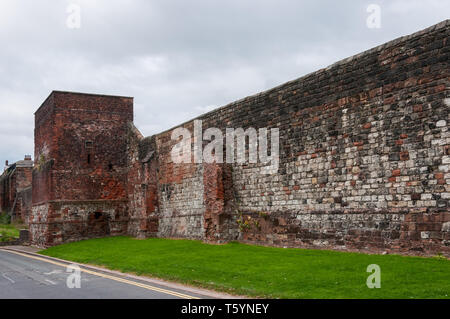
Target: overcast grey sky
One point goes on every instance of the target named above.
(178, 58)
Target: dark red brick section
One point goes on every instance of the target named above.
(80, 174)
(15, 189)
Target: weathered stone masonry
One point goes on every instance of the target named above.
(364, 162)
(15, 189)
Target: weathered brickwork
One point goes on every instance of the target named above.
(80, 175)
(142, 186)
(15, 189)
(364, 162)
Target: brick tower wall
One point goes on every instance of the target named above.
(80, 176)
(15, 190)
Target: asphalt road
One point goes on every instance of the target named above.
(25, 277)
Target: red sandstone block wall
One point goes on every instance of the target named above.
(364, 160)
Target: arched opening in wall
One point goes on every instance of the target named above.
(98, 224)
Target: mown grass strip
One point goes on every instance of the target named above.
(265, 271)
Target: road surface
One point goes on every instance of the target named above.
(33, 277)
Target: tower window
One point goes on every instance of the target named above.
(89, 159)
(88, 144)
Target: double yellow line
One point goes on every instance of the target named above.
(137, 284)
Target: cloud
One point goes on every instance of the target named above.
(178, 58)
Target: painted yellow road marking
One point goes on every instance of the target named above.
(137, 284)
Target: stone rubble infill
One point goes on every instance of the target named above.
(31, 250)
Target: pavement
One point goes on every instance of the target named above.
(27, 275)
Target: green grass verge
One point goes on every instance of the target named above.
(8, 230)
(265, 271)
